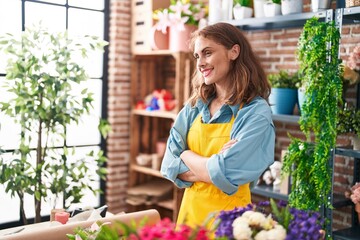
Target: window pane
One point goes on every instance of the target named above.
(55, 1)
(51, 17)
(83, 22)
(93, 4)
(9, 130)
(10, 22)
(87, 130)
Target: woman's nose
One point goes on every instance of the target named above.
(200, 62)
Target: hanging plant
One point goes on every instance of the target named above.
(307, 161)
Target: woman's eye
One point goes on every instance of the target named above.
(207, 53)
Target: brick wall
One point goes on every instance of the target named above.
(276, 49)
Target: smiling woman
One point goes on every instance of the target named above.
(57, 16)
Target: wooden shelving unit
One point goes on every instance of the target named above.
(152, 71)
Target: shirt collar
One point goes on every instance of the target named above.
(234, 108)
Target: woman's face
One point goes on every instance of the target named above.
(212, 61)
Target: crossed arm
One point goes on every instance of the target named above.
(197, 165)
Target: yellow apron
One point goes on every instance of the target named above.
(201, 198)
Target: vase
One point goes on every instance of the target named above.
(291, 6)
(283, 100)
(318, 5)
(272, 9)
(356, 143)
(179, 38)
(241, 12)
(159, 40)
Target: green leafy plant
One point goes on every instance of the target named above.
(349, 120)
(283, 79)
(307, 161)
(244, 3)
(276, 1)
(41, 74)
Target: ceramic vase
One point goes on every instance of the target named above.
(291, 6)
(179, 38)
(318, 5)
(272, 9)
(159, 40)
(241, 12)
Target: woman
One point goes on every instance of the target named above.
(224, 138)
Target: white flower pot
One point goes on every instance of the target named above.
(318, 5)
(259, 8)
(241, 12)
(272, 9)
(291, 6)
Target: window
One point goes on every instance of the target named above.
(79, 17)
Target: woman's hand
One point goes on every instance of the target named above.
(227, 145)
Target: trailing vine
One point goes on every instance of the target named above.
(307, 161)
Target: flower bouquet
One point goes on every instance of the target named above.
(265, 221)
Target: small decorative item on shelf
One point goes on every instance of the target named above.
(144, 159)
(318, 5)
(354, 194)
(158, 100)
(283, 97)
(352, 3)
(181, 18)
(272, 8)
(349, 123)
(291, 6)
(242, 9)
(220, 10)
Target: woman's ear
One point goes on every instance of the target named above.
(234, 51)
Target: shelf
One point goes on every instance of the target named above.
(286, 118)
(145, 170)
(156, 113)
(168, 204)
(351, 15)
(347, 152)
(268, 191)
(283, 21)
(352, 233)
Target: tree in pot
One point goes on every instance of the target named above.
(307, 161)
(42, 75)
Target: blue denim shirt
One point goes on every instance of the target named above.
(244, 162)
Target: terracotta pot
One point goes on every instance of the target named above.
(159, 40)
(179, 39)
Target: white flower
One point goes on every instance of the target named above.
(277, 233)
(269, 223)
(257, 219)
(241, 229)
(262, 235)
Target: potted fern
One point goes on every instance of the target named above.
(42, 74)
(242, 9)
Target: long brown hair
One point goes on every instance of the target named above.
(246, 73)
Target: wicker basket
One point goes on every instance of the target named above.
(352, 3)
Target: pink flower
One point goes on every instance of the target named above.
(354, 59)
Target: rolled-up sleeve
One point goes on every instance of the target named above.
(172, 165)
(248, 158)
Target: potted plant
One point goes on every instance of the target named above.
(291, 6)
(349, 123)
(283, 95)
(272, 8)
(307, 160)
(41, 74)
(242, 9)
